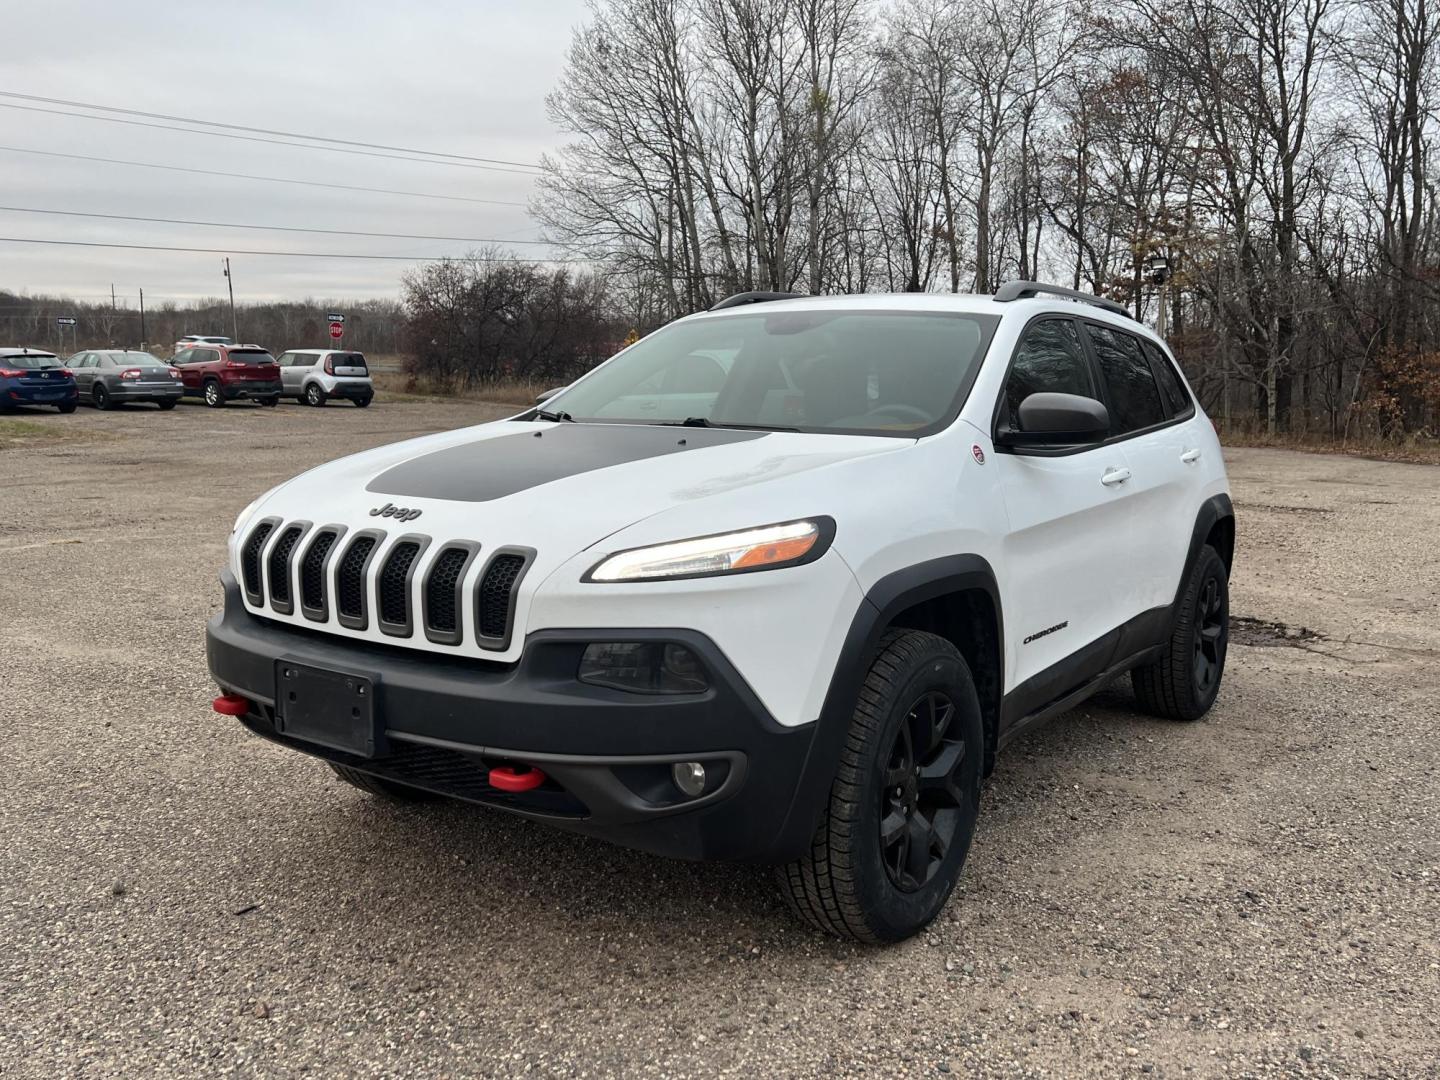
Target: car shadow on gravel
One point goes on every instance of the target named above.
(476, 878)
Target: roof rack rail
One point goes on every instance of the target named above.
(1021, 290)
(741, 299)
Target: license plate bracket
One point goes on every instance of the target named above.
(335, 709)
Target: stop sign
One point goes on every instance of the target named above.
(337, 330)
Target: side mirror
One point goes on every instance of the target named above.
(540, 399)
(1058, 420)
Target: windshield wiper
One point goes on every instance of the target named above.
(700, 421)
(556, 417)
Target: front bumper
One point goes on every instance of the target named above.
(444, 722)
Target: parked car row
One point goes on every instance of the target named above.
(213, 370)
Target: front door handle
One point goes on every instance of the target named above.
(1189, 457)
(1115, 476)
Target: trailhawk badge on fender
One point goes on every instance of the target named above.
(399, 513)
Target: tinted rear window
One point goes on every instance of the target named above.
(1134, 397)
(251, 356)
(30, 362)
(348, 359)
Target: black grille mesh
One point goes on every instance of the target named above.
(394, 595)
(250, 557)
(444, 616)
(493, 614)
(350, 581)
(312, 571)
(279, 565)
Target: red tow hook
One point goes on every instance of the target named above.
(230, 705)
(509, 778)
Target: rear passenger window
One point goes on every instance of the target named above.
(1134, 397)
(1172, 390)
(1049, 360)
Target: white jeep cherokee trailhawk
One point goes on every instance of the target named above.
(775, 583)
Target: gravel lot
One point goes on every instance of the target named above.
(1256, 894)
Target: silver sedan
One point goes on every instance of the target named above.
(110, 377)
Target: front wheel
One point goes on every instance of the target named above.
(905, 800)
(1183, 683)
(314, 396)
(213, 395)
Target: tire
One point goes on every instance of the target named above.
(214, 396)
(1183, 683)
(847, 884)
(363, 402)
(314, 396)
(101, 397)
(269, 402)
(167, 404)
(67, 408)
(385, 789)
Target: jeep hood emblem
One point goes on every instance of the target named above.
(399, 513)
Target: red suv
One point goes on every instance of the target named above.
(221, 373)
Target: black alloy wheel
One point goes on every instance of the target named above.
(921, 804)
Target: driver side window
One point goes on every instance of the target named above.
(1050, 360)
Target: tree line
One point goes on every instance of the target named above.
(377, 326)
(1274, 158)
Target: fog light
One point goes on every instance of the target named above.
(689, 777)
(643, 668)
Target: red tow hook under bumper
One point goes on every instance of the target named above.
(510, 778)
(230, 705)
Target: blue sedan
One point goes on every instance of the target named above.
(31, 377)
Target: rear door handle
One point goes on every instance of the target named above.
(1115, 476)
(1189, 457)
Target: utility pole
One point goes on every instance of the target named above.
(234, 324)
(142, 320)
(113, 311)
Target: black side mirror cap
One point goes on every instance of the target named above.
(1058, 420)
(540, 399)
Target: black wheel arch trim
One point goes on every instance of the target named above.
(884, 600)
(1212, 511)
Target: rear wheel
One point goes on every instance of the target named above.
(101, 396)
(386, 789)
(270, 402)
(214, 397)
(166, 403)
(363, 402)
(314, 396)
(1183, 683)
(905, 799)
(68, 407)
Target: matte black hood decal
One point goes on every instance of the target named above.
(493, 468)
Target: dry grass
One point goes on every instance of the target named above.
(397, 386)
(1412, 449)
(16, 434)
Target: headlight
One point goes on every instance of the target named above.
(768, 547)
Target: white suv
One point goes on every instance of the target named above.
(776, 583)
(314, 376)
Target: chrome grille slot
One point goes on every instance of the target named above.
(392, 585)
(495, 596)
(277, 566)
(350, 607)
(250, 561)
(441, 593)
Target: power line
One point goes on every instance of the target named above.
(286, 254)
(266, 228)
(251, 176)
(273, 142)
(261, 131)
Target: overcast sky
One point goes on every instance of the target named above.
(465, 79)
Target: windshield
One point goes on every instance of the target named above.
(853, 372)
(30, 362)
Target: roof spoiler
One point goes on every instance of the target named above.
(1023, 290)
(741, 299)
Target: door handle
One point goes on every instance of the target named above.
(1115, 476)
(1189, 457)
